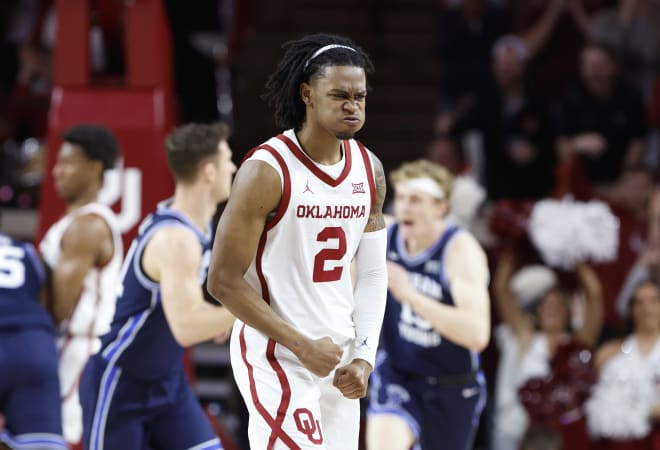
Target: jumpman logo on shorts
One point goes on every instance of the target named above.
(364, 343)
(307, 189)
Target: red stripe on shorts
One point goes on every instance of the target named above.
(275, 424)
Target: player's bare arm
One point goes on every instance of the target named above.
(173, 258)
(467, 323)
(256, 193)
(376, 219)
(86, 243)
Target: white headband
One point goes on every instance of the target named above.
(325, 49)
(426, 185)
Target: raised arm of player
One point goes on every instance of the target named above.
(86, 243)
(370, 296)
(467, 323)
(173, 258)
(256, 192)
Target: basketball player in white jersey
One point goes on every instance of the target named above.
(304, 205)
(83, 252)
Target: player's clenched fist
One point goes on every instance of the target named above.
(352, 379)
(321, 357)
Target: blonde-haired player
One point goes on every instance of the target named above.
(427, 390)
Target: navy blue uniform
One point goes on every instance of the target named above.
(134, 392)
(435, 385)
(29, 384)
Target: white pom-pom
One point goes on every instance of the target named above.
(566, 232)
(620, 403)
(466, 197)
(530, 282)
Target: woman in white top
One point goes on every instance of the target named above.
(624, 408)
(528, 341)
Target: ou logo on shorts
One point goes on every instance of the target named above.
(307, 425)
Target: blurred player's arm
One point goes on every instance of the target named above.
(467, 323)
(370, 294)
(173, 258)
(81, 249)
(256, 192)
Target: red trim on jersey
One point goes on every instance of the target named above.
(275, 424)
(260, 274)
(286, 390)
(370, 173)
(286, 183)
(249, 153)
(321, 175)
(286, 187)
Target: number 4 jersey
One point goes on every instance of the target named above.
(302, 264)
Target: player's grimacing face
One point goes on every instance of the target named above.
(338, 100)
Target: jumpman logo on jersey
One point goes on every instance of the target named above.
(307, 189)
(364, 343)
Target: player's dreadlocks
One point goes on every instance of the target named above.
(299, 64)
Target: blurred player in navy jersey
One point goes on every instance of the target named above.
(427, 390)
(29, 385)
(134, 391)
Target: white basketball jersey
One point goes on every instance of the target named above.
(96, 305)
(302, 265)
(79, 336)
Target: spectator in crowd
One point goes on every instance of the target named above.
(446, 151)
(554, 31)
(515, 126)
(632, 29)
(463, 38)
(624, 408)
(531, 342)
(647, 267)
(629, 200)
(602, 120)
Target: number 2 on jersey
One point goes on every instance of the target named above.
(12, 270)
(321, 275)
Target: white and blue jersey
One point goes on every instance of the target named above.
(140, 341)
(410, 341)
(21, 278)
(134, 392)
(29, 383)
(430, 382)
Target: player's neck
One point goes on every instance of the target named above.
(195, 204)
(90, 195)
(319, 145)
(418, 244)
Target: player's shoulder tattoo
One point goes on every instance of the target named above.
(376, 220)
